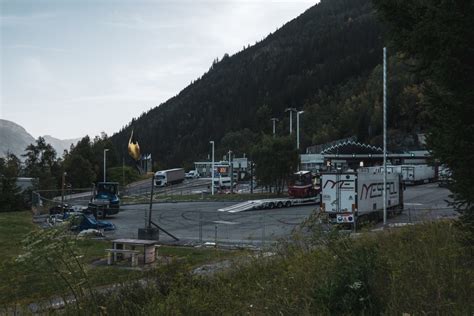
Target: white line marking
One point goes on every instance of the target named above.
(225, 222)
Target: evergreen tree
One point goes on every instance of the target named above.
(41, 163)
(10, 194)
(276, 160)
(439, 36)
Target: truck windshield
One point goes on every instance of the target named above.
(301, 179)
(159, 177)
(107, 188)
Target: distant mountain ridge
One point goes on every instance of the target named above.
(60, 145)
(14, 139)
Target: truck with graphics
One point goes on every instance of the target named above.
(352, 196)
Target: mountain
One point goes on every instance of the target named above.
(14, 139)
(60, 145)
(326, 61)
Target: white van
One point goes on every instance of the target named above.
(223, 182)
(193, 174)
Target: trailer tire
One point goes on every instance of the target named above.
(101, 214)
(287, 204)
(271, 205)
(280, 204)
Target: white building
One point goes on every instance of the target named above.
(221, 168)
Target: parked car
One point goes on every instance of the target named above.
(193, 174)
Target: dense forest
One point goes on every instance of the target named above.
(327, 61)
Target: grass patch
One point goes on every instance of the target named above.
(14, 226)
(52, 269)
(422, 269)
(196, 256)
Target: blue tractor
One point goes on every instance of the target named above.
(105, 200)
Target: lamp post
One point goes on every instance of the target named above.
(384, 136)
(231, 171)
(298, 129)
(212, 170)
(62, 189)
(274, 120)
(105, 154)
(291, 110)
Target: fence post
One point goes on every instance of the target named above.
(200, 226)
(215, 237)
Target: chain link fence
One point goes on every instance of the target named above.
(42, 201)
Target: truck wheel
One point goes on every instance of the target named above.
(279, 204)
(101, 214)
(287, 204)
(271, 205)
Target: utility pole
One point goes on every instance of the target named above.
(123, 171)
(384, 136)
(231, 168)
(105, 155)
(274, 120)
(298, 129)
(291, 110)
(212, 166)
(62, 190)
(251, 177)
(148, 225)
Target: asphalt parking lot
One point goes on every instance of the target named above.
(201, 221)
(194, 222)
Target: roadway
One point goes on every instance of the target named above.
(200, 221)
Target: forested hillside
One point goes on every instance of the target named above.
(326, 61)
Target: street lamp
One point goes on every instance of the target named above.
(231, 171)
(105, 154)
(291, 110)
(274, 120)
(212, 143)
(298, 129)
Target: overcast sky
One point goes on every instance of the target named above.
(71, 68)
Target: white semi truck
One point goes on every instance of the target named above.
(417, 174)
(168, 177)
(413, 174)
(348, 197)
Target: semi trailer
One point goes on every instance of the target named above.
(351, 196)
(413, 174)
(168, 177)
(303, 189)
(417, 174)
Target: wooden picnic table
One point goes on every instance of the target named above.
(148, 247)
